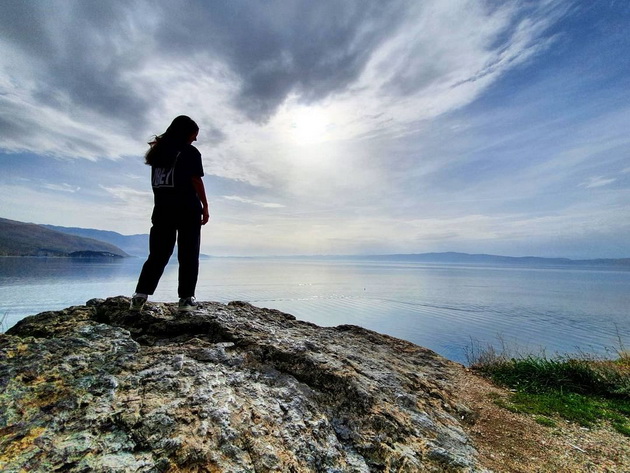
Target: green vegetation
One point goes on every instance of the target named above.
(542, 420)
(580, 389)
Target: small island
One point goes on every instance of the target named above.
(94, 254)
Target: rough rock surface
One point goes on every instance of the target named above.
(227, 388)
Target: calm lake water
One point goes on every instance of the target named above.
(440, 306)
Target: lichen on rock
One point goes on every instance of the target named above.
(227, 388)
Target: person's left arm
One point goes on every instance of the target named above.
(201, 193)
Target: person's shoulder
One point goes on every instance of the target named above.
(191, 150)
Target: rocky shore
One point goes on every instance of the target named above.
(227, 388)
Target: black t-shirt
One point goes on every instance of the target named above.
(171, 179)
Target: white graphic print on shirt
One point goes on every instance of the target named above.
(164, 177)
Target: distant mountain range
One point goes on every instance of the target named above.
(134, 245)
(462, 258)
(29, 239)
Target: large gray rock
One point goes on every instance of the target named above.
(228, 388)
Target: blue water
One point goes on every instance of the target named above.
(445, 307)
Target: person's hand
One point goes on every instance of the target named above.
(205, 216)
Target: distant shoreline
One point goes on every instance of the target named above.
(450, 258)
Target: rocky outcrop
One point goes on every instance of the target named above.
(227, 388)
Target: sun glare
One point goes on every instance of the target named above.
(309, 125)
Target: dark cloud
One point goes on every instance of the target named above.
(24, 24)
(83, 53)
(213, 134)
(80, 55)
(277, 48)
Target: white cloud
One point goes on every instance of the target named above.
(333, 234)
(128, 194)
(598, 181)
(429, 67)
(267, 205)
(32, 126)
(61, 187)
(424, 68)
(32, 204)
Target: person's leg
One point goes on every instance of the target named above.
(161, 244)
(188, 242)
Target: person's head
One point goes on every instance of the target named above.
(183, 129)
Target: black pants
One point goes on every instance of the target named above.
(186, 229)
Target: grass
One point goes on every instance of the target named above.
(542, 420)
(580, 389)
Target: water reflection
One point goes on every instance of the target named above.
(438, 306)
(22, 270)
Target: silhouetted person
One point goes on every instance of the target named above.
(180, 208)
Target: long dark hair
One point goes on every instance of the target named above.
(164, 147)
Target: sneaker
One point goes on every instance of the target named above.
(187, 304)
(137, 302)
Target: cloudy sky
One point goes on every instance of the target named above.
(329, 127)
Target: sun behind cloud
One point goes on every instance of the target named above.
(303, 125)
(309, 125)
